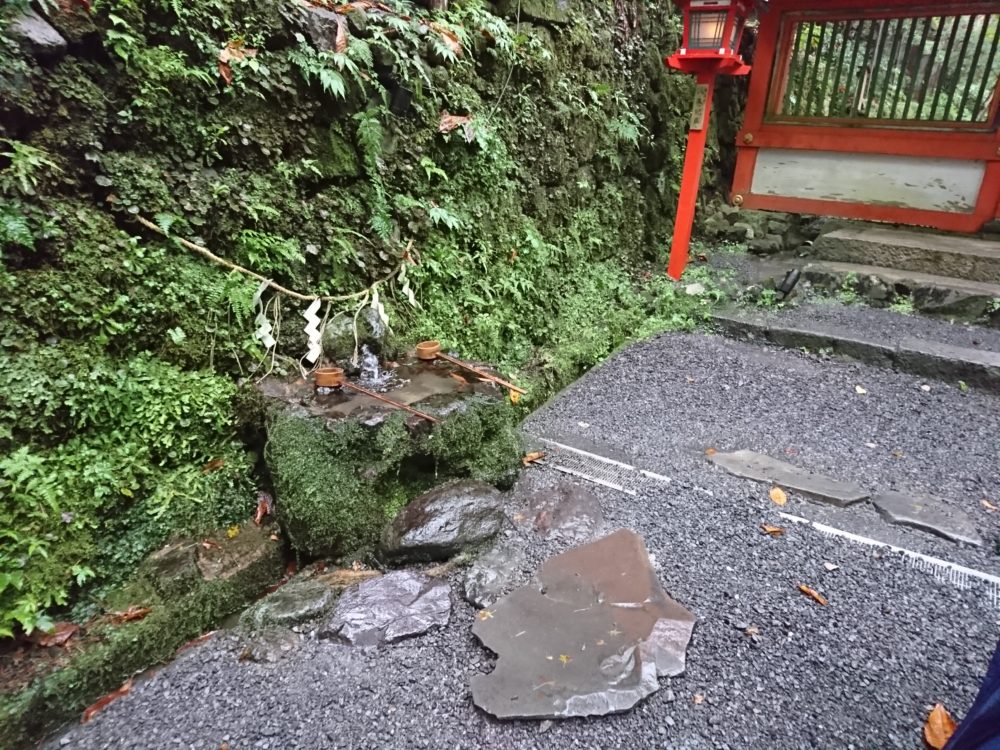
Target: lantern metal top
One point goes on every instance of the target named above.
(712, 33)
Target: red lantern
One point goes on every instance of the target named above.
(712, 33)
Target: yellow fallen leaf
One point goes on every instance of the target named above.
(772, 530)
(939, 727)
(813, 594)
(710, 452)
(484, 614)
(233, 531)
(533, 457)
(515, 397)
(565, 659)
(778, 495)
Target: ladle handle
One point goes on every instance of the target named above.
(389, 401)
(480, 373)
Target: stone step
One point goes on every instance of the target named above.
(951, 255)
(928, 357)
(932, 294)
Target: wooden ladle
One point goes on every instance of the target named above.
(431, 350)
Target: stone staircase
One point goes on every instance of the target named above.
(956, 279)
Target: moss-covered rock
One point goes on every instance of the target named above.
(189, 590)
(338, 482)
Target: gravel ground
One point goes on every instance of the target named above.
(859, 673)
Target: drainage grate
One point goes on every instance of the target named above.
(594, 468)
(956, 575)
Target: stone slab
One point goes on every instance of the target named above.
(927, 514)
(588, 637)
(762, 468)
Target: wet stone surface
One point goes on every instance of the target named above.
(589, 637)
(444, 521)
(270, 646)
(927, 514)
(568, 513)
(387, 609)
(292, 604)
(491, 574)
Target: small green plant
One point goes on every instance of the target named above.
(27, 167)
(963, 386)
(848, 293)
(904, 305)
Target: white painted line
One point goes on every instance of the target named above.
(589, 478)
(654, 475)
(957, 574)
(594, 456)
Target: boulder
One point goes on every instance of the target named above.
(381, 610)
(568, 512)
(444, 521)
(291, 604)
(490, 575)
(36, 35)
(767, 245)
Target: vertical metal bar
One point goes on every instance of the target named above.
(941, 74)
(876, 63)
(973, 72)
(912, 94)
(815, 72)
(806, 30)
(835, 90)
(930, 66)
(902, 71)
(958, 70)
(794, 69)
(852, 68)
(874, 28)
(987, 82)
(897, 33)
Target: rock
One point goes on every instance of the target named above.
(568, 512)
(270, 646)
(694, 290)
(338, 338)
(555, 12)
(251, 544)
(927, 514)
(489, 576)
(319, 24)
(778, 227)
(36, 35)
(876, 290)
(387, 609)
(589, 637)
(763, 468)
(444, 521)
(767, 245)
(739, 232)
(291, 604)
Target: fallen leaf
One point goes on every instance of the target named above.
(752, 631)
(449, 37)
(990, 507)
(131, 614)
(698, 699)
(234, 50)
(565, 659)
(772, 530)
(830, 567)
(813, 594)
(103, 703)
(233, 531)
(778, 495)
(61, 632)
(515, 397)
(533, 457)
(265, 505)
(710, 452)
(213, 465)
(939, 727)
(341, 41)
(450, 122)
(211, 544)
(460, 379)
(859, 390)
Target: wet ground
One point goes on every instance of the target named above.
(767, 665)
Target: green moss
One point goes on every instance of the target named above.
(337, 485)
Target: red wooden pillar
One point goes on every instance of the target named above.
(694, 158)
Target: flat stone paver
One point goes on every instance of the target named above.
(763, 468)
(927, 514)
